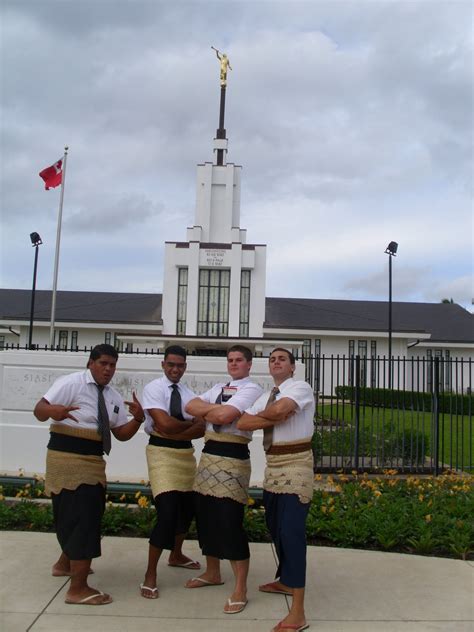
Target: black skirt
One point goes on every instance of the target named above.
(77, 519)
(220, 528)
(175, 511)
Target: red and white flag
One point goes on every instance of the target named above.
(52, 176)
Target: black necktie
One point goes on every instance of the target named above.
(268, 432)
(218, 427)
(103, 425)
(176, 410)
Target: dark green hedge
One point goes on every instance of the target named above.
(408, 400)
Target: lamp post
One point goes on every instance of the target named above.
(35, 242)
(390, 250)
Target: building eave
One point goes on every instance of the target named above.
(313, 332)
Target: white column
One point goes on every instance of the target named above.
(234, 299)
(193, 289)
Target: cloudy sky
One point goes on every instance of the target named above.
(352, 121)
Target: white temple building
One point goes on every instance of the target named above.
(214, 294)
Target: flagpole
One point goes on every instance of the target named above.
(56, 257)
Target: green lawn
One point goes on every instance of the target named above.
(456, 437)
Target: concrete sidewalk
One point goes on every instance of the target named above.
(347, 591)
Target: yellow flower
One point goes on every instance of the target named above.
(331, 501)
(318, 477)
(338, 488)
(428, 517)
(122, 498)
(2, 497)
(250, 501)
(377, 493)
(138, 494)
(143, 502)
(331, 509)
(421, 498)
(324, 508)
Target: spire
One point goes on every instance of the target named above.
(220, 142)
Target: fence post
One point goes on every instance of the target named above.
(435, 414)
(357, 412)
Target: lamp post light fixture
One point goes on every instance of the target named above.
(390, 250)
(35, 242)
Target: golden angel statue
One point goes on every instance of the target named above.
(222, 57)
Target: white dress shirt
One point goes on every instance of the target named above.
(157, 394)
(247, 393)
(300, 425)
(79, 389)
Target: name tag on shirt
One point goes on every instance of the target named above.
(227, 392)
(116, 409)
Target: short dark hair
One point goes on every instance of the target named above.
(175, 350)
(103, 349)
(289, 354)
(245, 351)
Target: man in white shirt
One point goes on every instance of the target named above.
(85, 409)
(287, 418)
(223, 477)
(171, 464)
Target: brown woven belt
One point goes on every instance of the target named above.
(289, 449)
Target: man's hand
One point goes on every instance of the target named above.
(59, 412)
(135, 408)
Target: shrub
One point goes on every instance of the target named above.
(429, 516)
(453, 403)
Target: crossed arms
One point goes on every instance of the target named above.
(276, 413)
(218, 414)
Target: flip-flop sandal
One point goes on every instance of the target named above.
(154, 591)
(291, 626)
(87, 600)
(203, 583)
(191, 565)
(230, 603)
(273, 587)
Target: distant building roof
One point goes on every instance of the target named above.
(88, 307)
(446, 322)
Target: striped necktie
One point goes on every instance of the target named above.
(103, 424)
(268, 432)
(218, 427)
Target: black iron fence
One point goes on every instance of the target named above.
(416, 417)
(421, 422)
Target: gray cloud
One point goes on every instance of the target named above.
(353, 122)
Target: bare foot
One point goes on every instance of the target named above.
(276, 587)
(90, 597)
(236, 603)
(203, 581)
(291, 623)
(182, 561)
(149, 592)
(148, 589)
